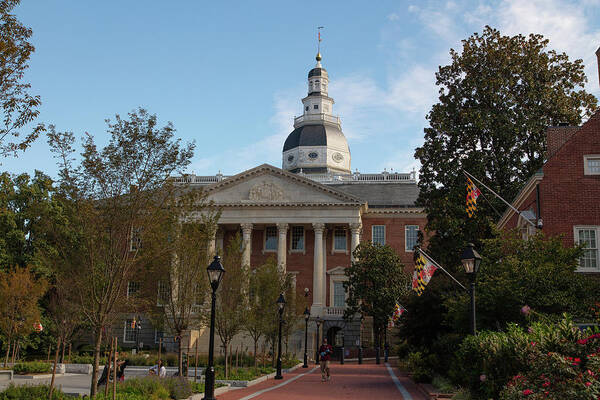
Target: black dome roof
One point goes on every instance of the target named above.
(317, 72)
(311, 135)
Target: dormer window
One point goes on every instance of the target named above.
(316, 106)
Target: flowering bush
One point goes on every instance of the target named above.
(570, 370)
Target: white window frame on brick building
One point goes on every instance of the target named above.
(162, 293)
(128, 329)
(591, 253)
(407, 229)
(336, 277)
(378, 237)
(341, 240)
(591, 164)
(275, 235)
(298, 242)
(133, 288)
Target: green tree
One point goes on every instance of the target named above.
(376, 281)
(19, 108)
(116, 198)
(539, 273)
(497, 97)
(232, 297)
(263, 288)
(20, 293)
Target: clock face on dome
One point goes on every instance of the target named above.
(290, 159)
(337, 157)
(313, 155)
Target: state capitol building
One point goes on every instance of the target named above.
(311, 213)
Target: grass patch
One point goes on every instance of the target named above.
(243, 374)
(32, 367)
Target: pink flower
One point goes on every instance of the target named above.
(588, 384)
(525, 310)
(527, 392)
(482, 377)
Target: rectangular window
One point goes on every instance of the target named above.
(378, 232)
(411, 235)
(339, 294)
(132, 288)
(316, 106)
(588, 236)
(297, 238)
(339, 239)
(129, 331)
(591, 165)
(135, 242)
(158, 335)
(162, 296)
(271, 238)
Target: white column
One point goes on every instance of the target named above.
(247, 238)
(324, 276)
(355, 229)
(282, 229)
(220, 236)
(211, 245)
(317, 306)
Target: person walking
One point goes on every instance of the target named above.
(325, 352)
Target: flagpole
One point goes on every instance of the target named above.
(498, 196)
(442, 268)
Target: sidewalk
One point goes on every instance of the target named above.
(349, 381)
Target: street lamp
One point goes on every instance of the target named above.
(306, 318)
(471, 260)
(215, 273)
(281, 305)
(318, 321)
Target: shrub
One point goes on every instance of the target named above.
(421, 366)
(27, 392)
(32, 367)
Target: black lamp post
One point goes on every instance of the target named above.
(281, 305)
(215, 273)
(318, 322)
(306, 318)
(471, 260)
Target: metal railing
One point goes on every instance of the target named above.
(317, 117)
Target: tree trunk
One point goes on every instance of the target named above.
(95, 366)
(110, 355)
(14, 352)
(62, 355)
(225, 348)
(255, 350)
(7, 352)
(54, 370)
(180, 357)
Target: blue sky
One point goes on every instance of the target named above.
(230, 74)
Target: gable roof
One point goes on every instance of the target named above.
(267, 169)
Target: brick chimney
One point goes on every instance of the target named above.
(598, 57)
(556, 136)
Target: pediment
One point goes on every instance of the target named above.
(268, 185)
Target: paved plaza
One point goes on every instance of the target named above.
(349, 381)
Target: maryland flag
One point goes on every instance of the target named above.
(472, 194)
(424, 270)
(37, 326)
(398, 311)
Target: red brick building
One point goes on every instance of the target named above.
(563, 198)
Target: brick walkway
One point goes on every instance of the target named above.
(349, 381)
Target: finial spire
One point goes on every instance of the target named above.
(318, 58)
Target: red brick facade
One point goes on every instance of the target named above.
(568, 196)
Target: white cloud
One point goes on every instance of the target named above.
(393, 17)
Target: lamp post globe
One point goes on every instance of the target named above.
(215, 274)
(306, 318)
(471, 261)
(281, 306)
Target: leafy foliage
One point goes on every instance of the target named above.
(376, 281)
(497, 97)
(30, 392)
(32, 367)
(538, 272)
(19, 108)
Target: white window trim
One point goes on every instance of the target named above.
(384, 234)
(158, 303)
(128, 282)
(303, 249)
(406, 250)
(265, 250)
(125, 333)
(336, 275)
(576, 241)
(333, 249)
(586, 170)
